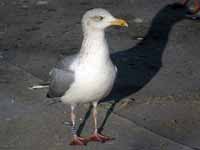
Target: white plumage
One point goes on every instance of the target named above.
(89, 75)
(94, 71)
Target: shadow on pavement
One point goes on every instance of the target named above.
(138, 65)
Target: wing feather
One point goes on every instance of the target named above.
(61, 77)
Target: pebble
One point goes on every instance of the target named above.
(139, 38)
(138, 20)
(1, 56)
(8, 119)
(12, 100)
(24, 6)
(67, 123)
(42, 2)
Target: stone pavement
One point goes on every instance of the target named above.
(155, 103)
(29, 122)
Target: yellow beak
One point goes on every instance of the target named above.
(119, 22)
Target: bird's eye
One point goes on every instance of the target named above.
(97, 18)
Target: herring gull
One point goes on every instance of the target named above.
(89, 75)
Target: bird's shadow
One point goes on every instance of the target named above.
(139, 64)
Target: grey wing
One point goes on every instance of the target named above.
(61, 80)
(61, 77)
(65, 63)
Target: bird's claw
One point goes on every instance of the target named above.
(78, 141)
(96, 137)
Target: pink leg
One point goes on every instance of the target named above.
(97, 137)
(76, 139)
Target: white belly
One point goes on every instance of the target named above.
(92, 83)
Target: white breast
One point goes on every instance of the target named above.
(92, 83)
(94, 71)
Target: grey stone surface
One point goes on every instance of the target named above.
(177, 120)
(27, 122)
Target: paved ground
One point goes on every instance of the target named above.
(155, 104)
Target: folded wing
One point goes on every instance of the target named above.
(61, 77)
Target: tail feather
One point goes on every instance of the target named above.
(40, 86)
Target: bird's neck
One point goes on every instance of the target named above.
(94, 45)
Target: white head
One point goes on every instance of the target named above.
(99, 19)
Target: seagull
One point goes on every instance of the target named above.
(89, 75)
